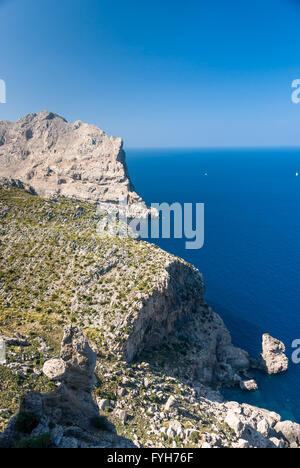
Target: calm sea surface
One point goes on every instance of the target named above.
(251, 256)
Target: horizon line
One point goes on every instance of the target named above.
(213, 148)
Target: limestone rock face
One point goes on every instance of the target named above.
(274, 360)
(290, 431)
(75, 160)
(79, 360)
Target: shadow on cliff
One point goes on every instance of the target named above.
(243, 332)
(67, 417)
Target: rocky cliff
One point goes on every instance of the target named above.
(74, 160)
(130, 295)
(158, 351)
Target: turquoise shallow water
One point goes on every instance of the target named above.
(250, 259)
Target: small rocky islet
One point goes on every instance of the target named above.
(109, 341)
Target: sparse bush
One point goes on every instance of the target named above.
(43, 441)
(154, 398)
(194, 437)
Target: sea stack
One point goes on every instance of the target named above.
(274, 360)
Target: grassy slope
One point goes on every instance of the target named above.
(55, 269)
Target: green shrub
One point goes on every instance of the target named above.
(154, 398)
(194, 437)
(26, 422)
(43, 441)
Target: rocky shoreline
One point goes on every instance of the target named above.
(70, 417)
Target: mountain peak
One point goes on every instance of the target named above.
(57, 158)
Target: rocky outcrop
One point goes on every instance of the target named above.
(274, 360)
(249, 385)
(175, 312)
(75, 372)
(290, 432)
(177, 295)
(54, 369)
(75, 160)
(69, 416)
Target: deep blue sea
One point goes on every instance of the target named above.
(250, 259)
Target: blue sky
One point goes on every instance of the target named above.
(162, 73)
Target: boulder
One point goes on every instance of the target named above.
(249, 385)
(242, 444)
(274, 360)
(171, 403)
(54, 369)
(263, 427)
(290, 431)
(234, 422)
(175, 428)
(102, 403)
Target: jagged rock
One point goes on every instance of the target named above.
(237, 358)
(72, 404)
(43, 348)
(102, 404)
(235, 423)
(42, 428)
(147, 383)
(73, 398)
(263, 427)
(163, 313)
(241, 444)
(171, 403)
(274, 360)
(4, 210)
(54, 369)
(249, 385)
(278, 443)
(175, 428)
(74, 160)
(290, 431)
(80, 362)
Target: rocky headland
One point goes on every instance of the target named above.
(76, 160)
(109, 341)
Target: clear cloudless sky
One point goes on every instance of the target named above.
(164, 73)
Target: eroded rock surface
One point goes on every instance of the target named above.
(75, 160)
(54, 368)
(274, 360)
